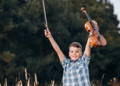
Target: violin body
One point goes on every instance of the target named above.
(93, 33)
(92, 27)
(89, 27)
(94, 41)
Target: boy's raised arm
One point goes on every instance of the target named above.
(87, 51)
(54, 44)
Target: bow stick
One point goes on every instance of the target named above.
(45, 17)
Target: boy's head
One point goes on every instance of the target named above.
(75, 50)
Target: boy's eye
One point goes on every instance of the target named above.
(76, 51)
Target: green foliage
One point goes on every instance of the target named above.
(23, 44)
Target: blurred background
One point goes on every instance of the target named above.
(23, 44)
(116, 8)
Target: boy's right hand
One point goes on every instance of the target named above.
(54, 44)
(47, 33)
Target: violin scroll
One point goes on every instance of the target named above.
(83, 9)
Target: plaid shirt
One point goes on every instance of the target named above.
(76, 73)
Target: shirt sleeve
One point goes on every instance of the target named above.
(65, 62)
(86, 58)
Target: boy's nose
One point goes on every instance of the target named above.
(74, 53)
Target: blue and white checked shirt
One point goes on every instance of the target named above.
(76, 73)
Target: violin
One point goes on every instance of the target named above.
(92, 27)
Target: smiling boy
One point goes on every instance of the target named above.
(75, 69)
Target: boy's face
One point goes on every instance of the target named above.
(75, 53)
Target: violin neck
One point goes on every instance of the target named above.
(88, 17)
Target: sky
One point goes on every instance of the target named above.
(116, 4)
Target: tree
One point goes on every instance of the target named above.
(22, 36)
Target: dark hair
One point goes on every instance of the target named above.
(75, 44)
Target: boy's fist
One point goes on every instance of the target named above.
(47, 33)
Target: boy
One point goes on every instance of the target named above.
(75, 69)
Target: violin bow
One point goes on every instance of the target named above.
(45, 17)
